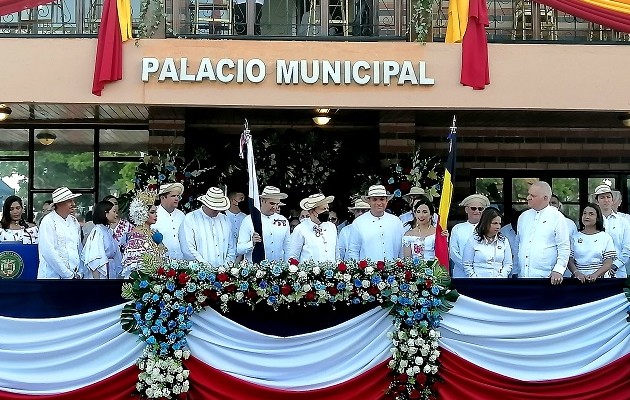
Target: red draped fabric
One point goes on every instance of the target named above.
(475, 69)
(11, 6)
(609, 18)
(464, 380)
(108, 66)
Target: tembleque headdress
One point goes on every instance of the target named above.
(139, 208)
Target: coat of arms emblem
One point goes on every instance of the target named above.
(11, 265)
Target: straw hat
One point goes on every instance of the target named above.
(415, 191)
(359, 205)
(377, 191)
(315, 200)
(171, 187)
(214, 199)
(480, 198)
(601, 189)
(272, 192)
(63, 194)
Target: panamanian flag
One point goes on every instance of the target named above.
(503, 339)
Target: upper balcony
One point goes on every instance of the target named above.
(345, 20)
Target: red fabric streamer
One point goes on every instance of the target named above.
(609, 18)
(11, 6)
(464, 380)
(108, 65)
(475, 68)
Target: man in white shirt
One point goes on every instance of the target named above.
(235, 214)
(60, 239)
(617, 203)
(414, 194)
(360, 207)
(205, 234)
(315, 238)
(543, 239)
(275, 228)
(474, 206)
(377, 235)
(170, 218)
(616, 226)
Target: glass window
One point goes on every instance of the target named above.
(122, 142)
(571, 211)
(14, 180)
(68, 161)
(14, 142)
(594, 182)
(567, 189)
(116, 177)
(520, 187)
(492, 188)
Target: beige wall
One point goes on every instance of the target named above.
(523, 76)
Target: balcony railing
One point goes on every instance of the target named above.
(510, 20)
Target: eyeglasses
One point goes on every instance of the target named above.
(333, 219)
(477, 208)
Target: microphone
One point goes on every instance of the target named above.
(24, 225)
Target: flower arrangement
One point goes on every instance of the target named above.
(165, 294)
(421, 19)
(417, 171)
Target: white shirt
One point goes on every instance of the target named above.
(590, 251)
(235, 222)
(618, 228)
(275, 235)
(510, 234)
(487, 259)
(457, 241)
(343, 242)
(206, 239)
(406, 217)
(310, 241)
(376, 238)
(102, 253)
(59, 247)
(168, 225)
(543, 243)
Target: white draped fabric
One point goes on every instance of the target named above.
(538, 345)
(46, 356)
(303, 362)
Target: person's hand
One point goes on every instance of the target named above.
(556, 278)
(256, 238)
(591, 278)
(445, 233)
(580, 276)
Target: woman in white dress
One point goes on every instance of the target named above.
(487, 254)
(315, 238)
(419, 241)
(592, 249)
(101, 254)
(14, 227)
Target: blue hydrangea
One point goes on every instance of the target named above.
(393, 298)
(164, 314)
(161, 177)
(391, 279)
(390, 181)
(425, 293)
(163, 330)
(435, 290)
(275, 289)
(329, 273)
(409, 321)
(428, 271)
(356, 300)
(341, 286)
(376, 279)
(276, 270)
(418, 315)
(212, 278)
(151, 340)
(179, 294)
(172, 337)
(202, 275)
(171, 324)
(404, 287)
(397, 193)
(176, 346)
(217, 285)
(272, 300)
(146, 297)
(143, 284)
(139, 305)
(437, 302)
(181, 310)
(263, 285)
(189, 310)
(244, 286)
(245, 272)
(319, 286)
(357, 283)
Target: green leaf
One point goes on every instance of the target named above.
(127, 321)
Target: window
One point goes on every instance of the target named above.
(568, 192)
(69, 161)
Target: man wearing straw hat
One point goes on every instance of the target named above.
(616, 226)
(343, 240)
(170, 218)
(474, 206)
(205, 233)
(315, 238)
(376, 234)
(275, 228)
(60, 239)
(414, 194)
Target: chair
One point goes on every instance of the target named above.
(213, 16)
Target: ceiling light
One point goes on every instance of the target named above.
(322, 110)
(46, 138)
(321, 119)
(625, 119)
(5, 111)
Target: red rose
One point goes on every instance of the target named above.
(402, 388)
(414, 394)
(342, 267)
(399, 264)
(332, 290)
(161, 271)
(402, 378)
(222, 277)
(408, 275)
(421, 379)
(171, 273)
(286, 289)
(231, 288)
(293, 261)
(310, 295)
(183, 278)
(380, 265)
(251, 294)
(405, 186)
(428, 283)
(373, 290)
(190, 298)
(214, 296)
(363, 264)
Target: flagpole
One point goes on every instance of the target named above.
(247, 151)
(441, 242)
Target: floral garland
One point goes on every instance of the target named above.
(417, 171)
(421, 19)
(165, 295)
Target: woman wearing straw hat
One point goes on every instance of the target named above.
(360, 207)
(60, 239)
(314, 238)
(205, 234)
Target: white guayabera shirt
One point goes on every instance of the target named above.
(275, 235)
(207, 239)
(457, 241)
(310, 241)
(59, 247)
(376, 238)
(619, 228)
(168, 225)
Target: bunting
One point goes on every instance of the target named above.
(441, 242)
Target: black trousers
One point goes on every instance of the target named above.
(240, 19)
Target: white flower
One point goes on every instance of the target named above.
(306, 287)
(225, 298)
(419, 360)
(260, 273)
(365, 283)
(346, 277)
(186, 373)
(416, 369)
(293, 268)
(411, 342)
(178, 353)
(404, 363)
(431, 333)
(365, 296)
(369, 270)
(302, 274)
(412, 350)
(409, 371)
(413, 333)
(381, 285)
(239, 295)
(427, 369)
(434, 369)
(432, 358)
(316, 270)
(234, 271)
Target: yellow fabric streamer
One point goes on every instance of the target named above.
(622, 6)
(457, 20)
(124, 17)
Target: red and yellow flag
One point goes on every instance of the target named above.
(441, 242)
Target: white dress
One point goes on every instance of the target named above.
(424, 248)
(590, 251)
(26, 236)
(102, 253)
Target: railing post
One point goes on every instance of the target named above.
(535, 21)
(398, 14)
(324, 9)
(250, 18)
(375, 18)
(79, 15)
